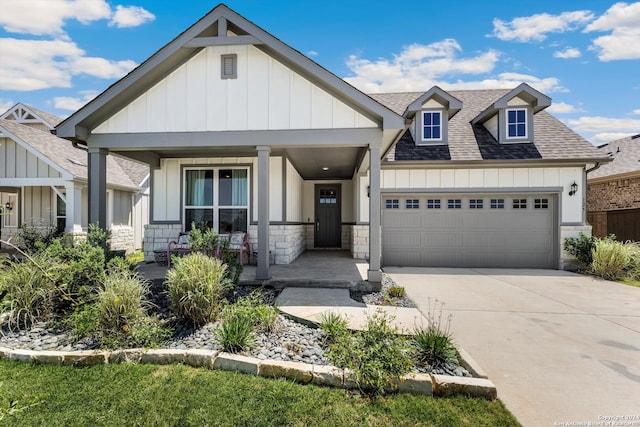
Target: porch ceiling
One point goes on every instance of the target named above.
(308, 161)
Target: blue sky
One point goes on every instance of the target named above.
(58, 54)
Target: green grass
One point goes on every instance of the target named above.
(629, 281)
(137, 395)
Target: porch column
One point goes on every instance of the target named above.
(73, 214)
(262, 272)
(374, 274)
(98, 186)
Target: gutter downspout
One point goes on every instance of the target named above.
(584, 186)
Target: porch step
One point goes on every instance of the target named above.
(356, 285)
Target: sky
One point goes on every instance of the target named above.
(56, 55)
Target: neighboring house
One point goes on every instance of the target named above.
(613, 197)
(245, 133)
(43, 179)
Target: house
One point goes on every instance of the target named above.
(613, 196)
(43, 181)
(244, 133)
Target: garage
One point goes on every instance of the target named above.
(470, 230)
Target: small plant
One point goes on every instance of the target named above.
(33, 238)
(334, 326)
(434, 344)
(120, 301)
(196, 285)
(376, 356)
(236, 332)
(28, 291)
(581, 247)
(611, 258)
(396, 292)
(263, 316)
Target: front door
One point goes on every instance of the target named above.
(328, 219)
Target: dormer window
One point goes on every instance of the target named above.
(517, 123)
(432, 126)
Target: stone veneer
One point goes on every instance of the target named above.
(360, 241)
(157, 238)
(122, 238)
(568, 261)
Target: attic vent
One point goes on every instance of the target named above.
(229, 66)
(77, 162)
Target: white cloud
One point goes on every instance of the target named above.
(568, 53)
(636, 111)
(5, 104)
(73, 104)
(417, 67)
(536, 27)
(604, 124)
(604, 137)
(40, 64)
(130, 16)
(623, 21)
(47, 17)
(312, 53)
(563, 108)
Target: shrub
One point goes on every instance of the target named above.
(264, 317)
(396, 292)
(28, 291)
(434, 344)
(581, 247)
(375, 356)
(203, 239)
(236, 331)
(334, 326)
(611, 258)
(32, 238)
(196, 285)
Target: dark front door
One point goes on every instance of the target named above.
(328, 220)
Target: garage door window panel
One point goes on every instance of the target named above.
(519, 203)
(476, 204)
(412, 204)
(541, 204)
(392, 204)
(433, 203)
(454, 204)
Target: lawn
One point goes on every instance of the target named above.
(137, 395)
(629, 281)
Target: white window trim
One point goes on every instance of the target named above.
(216, 206)
(431, 140)
(526, 123)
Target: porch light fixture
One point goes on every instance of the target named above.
(325, 168)
(574, 189)
(8, 206)
(368, 191)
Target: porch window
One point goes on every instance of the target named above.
(216, 198)
(61, 215)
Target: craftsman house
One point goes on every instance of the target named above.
(244, 133)
(43, 181)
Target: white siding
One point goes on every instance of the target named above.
(294, 194)
(17, 162)
(517, 101)
(266, 95)
(492, 126)
(39, 206)
(495, 178)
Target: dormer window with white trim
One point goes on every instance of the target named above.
(517, 123)
(431, 126)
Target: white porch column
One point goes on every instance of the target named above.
(98, 186)
(73, 208)
(262, 271)
(374, 274)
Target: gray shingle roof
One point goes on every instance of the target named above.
(626, 157)
(553, 139)
(64, 155)
(51, 119)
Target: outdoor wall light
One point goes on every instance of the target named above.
(368, 191)
(8, 206)
(574, 189)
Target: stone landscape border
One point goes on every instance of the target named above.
(304, 373)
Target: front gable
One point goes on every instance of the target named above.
(276, 88)
(265, 94)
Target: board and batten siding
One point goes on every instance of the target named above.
(17, 162)
(38, 206)
(294, 183)
(121, 210)
(265, 95)
(493, 178)
(167, 185)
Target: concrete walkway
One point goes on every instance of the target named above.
(308, 304)
(560, 347)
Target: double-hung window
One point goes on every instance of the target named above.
(431, 126)
(517, 123)
(217, 198)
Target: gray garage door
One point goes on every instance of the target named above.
(515, 230)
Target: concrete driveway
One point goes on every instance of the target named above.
(560, 347)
